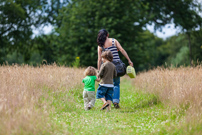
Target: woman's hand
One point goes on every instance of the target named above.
(130, 63)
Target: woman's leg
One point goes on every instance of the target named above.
(116, 96)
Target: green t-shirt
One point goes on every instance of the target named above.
(89, 82)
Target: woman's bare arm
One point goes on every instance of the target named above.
(118, 45)
(99, 61)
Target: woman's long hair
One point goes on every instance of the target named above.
(101, 37)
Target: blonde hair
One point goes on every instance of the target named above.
(90, 71)
(107, 55)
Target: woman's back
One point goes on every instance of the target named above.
(110, 45)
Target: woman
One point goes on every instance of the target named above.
(114, 46)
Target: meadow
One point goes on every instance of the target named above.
(48, 100)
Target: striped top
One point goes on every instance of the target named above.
(114, 50)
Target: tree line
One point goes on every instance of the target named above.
(77, 22)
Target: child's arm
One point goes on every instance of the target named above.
(101, 72)
(98, 79)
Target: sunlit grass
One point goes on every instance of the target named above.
(140, 113)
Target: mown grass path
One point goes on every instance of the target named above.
(140, 113)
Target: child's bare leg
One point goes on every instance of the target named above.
(109, 107)
(105, 105)
(103, 100)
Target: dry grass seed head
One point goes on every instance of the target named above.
(180, 87)
(21, 88)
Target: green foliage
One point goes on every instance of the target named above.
(14, 58)
(77, 24)
(183, 13)
(18, 19)
(81, 24)
(182, 57)
(76, 63)
(196, 46)
(148, 55)
(175, 50)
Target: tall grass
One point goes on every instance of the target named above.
(48, 100)
(21, 89)
(176, 87)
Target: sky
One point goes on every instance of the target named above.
(167, 31)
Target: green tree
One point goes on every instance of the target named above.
(125, 20)
(148, 54)
(182, 57)
(78, 23)
(175, 50)
(48, 48)
(183, 13)
(81, 21)
(196, 37)
(18, 18)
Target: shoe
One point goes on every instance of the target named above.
(104, 106)
(89, 107)
(116, 105)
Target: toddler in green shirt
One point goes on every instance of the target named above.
(89, 87)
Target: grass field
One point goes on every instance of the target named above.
(48, 100)
(139, 114)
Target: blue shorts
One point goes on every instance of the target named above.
(105, 92)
